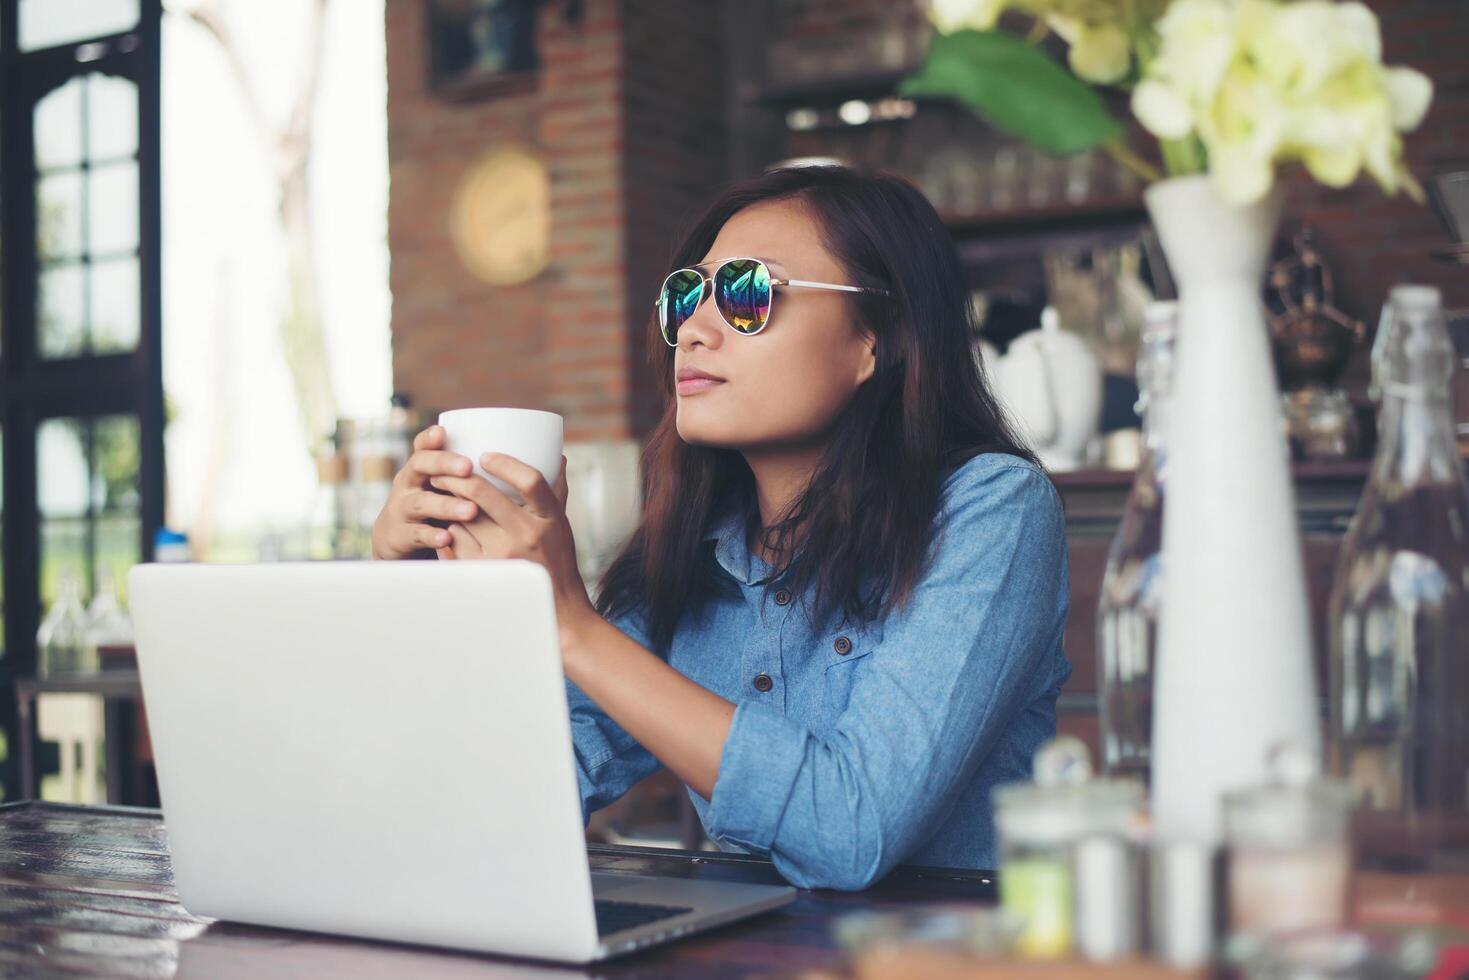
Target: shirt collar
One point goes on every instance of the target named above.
(731, 549)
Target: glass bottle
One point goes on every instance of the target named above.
(107, 631)
(1398, 618)
(60, 641)
(1132, 584)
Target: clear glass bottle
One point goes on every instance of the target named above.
(108, 632)
(61, 640)
(1132, 584)
(1398, 618)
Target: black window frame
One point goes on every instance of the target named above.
(32, 389)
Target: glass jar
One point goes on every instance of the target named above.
(1037, 826)
(1290, 853)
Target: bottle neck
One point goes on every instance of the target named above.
(1416, 441)
(1154, 434)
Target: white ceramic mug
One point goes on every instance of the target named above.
(533, 437)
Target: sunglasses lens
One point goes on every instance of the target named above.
(681, 293)
(742, 293)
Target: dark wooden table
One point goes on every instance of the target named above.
(88, 891)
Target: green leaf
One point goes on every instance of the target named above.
(1017, 88)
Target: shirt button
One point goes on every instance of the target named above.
(842, 645)
(783, 597)
(763, 682)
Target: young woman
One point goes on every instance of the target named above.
(840, 620)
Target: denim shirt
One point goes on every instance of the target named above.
(858, 746)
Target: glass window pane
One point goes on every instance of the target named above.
(119, 548)
(61, 465)
(112, 117)
(47, 23)
(60, 312)
(115, 306)
(59, 216)
(113, 208)
(115, 464)
(59, 127)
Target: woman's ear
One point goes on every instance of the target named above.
(867, 364)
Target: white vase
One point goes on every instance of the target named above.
(1234, 669)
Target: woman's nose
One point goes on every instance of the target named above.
(704, 326)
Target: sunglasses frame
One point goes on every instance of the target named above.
(707, 293)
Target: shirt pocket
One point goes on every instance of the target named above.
(846, 649)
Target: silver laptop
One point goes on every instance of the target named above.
(383, 749)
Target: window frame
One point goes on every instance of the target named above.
(33, 390)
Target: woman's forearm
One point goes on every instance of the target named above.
(682, 724)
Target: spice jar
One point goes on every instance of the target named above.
(1039, 824)
(1290, 854)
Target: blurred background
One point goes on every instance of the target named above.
(248, 248)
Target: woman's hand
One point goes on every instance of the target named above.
(538, 531)
(404, 528)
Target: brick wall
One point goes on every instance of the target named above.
(621, 85)
(673, 104)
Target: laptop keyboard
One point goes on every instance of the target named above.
(616, 916)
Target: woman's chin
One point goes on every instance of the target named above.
(695, 432)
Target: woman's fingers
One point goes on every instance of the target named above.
(497, 507)
(430, 438)
(418, 537)
(561, 489)
(425, 505)
(462, 542)
(428, 463)
(400, 529)
(539, 498)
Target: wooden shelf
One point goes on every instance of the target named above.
(830, 91)
(1090, 212)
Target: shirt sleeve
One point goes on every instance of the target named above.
(609, 761)
(926, 706)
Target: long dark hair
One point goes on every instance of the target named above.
(865, 521)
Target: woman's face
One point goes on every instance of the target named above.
(786, 385)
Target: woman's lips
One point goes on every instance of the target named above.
(693, 386)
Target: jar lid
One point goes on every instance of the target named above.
(1296, 807)
(331, 469)
(1064, 802)
(1416, 296)
(1030, 813)
(379, 468)
(1160, 317)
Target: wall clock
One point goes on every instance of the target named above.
(501, 220)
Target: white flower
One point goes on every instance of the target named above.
(1260, 82)
(1197, 45)
(957, 15)
(1408, 93)
(1100, 53)
(1162, 110)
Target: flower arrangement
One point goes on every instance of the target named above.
(1231, 88)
